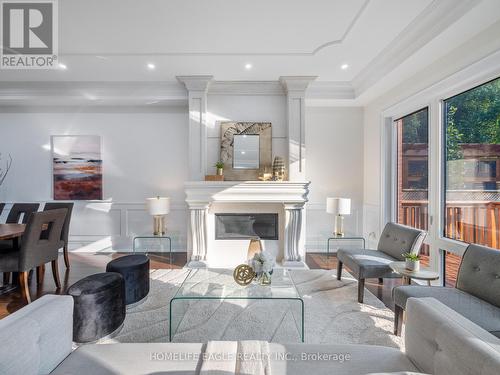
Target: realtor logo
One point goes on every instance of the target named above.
(29, 34)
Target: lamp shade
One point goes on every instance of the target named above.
(338, 206)
(158, 206)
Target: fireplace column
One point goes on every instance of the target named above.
(197, 236)
(294, 236)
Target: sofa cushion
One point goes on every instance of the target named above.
(478, 311)
(350, 359)
(397, 239)
(441, 341)
(479, 273)
(107, 359)
(365, 263)
(19, 352)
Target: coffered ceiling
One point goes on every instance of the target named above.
(349, 44)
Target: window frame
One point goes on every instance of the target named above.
(433, 97)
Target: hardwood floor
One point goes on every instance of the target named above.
(83, 264)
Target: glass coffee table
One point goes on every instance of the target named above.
(211, 285)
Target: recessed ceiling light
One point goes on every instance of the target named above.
(151, 66)
(248, 66)
(344, 66)
(62, 66)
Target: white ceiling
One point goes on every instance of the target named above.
(114, 40)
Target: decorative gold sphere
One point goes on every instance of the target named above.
(243, 274)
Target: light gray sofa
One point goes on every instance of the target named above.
(395, 240)
(37, 340)
(476, 295)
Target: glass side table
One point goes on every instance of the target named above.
(152, 239)
(336, 237)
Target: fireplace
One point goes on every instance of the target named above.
(231, 226)
(224, 215)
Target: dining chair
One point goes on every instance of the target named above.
(21, 208)
(41, 243)
(2, 205)
(67, 221)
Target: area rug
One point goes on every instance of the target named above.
(332, 315)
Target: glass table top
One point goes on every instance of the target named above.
(212, 283)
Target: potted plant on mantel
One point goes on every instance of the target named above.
(220, 168)
(412, 261)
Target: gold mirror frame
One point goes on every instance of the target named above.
(228, 130)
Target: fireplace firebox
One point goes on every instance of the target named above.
(240, 226)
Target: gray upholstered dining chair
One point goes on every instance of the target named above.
(19, 209)
(395, 240)
(14, 216)
(2, 205)
(67, 221)
(476, 294)
(41, 243)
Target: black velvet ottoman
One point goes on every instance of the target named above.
(99, 308)
(135, 272)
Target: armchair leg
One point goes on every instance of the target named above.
(361, 290)
(23, 284)
(55, 273)
(66, 257)
(398, 320)
(40, 272)
(339, 270)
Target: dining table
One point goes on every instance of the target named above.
(11, 232)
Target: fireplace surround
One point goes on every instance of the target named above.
(208, 200)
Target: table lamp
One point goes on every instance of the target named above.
(158, 207)
(338, 207)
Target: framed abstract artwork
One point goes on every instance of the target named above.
(76, 167)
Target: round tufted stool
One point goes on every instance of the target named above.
(135, 271)
(99, 308)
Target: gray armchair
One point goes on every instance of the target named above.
(395, 240)
(40, 244)
(476, 295)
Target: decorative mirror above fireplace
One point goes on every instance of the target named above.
(246, 148)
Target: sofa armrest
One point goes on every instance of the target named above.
(53, 317)
(439, 340)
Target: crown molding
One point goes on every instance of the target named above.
(330, 90)
(41, 93)
(296, 83)
(246, 88)
(434, 19)
(196, 82)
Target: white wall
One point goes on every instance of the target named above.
(144, 154)
(334, 164)
(258, 108)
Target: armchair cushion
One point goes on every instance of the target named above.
(397, 239)
(365, 263)
(479, 273)
(475, 309)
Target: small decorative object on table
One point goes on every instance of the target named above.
(254, 247)
(263, 264)
(412, 261)
(278, 169)
(158, 207)
(243, 274)
(220, 168)
(265, 174)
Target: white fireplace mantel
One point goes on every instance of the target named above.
(292, 195)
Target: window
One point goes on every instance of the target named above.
(472, 152)
(413, 172)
